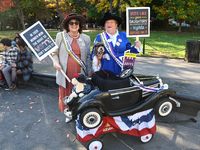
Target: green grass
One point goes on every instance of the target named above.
(168, 44)
(159, 44)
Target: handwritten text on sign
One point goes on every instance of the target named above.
(38, 39)
(138, 21)
(40, 42)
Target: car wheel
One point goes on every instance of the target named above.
(163, 107)
(146, 138)
(91, 118)
(95, 144)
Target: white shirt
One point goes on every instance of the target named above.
(113, 37)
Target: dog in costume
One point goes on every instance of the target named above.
(79, 90)
(98, 55)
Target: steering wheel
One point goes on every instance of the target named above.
(126, 73)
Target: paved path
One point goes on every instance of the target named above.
(164, 67)
(169, 68)
(183, 77)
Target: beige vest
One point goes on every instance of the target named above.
(61, 55)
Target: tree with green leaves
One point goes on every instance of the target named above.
(27, 11)
(118, 6)
(180, 10)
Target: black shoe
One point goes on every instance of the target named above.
(7, 88)
(12, 87)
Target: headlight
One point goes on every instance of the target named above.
(165, 86)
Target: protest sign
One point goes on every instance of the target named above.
(38, 40)
(129, 59)
(138, 21)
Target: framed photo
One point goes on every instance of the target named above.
(38, 40)
(138, 21)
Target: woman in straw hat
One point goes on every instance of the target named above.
(115, 43)
(72, 55)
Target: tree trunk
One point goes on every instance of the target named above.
(179, 28)
(166, 26)
(60, 15)
(120, 14)
(21, 15)
(18, 24)
(1, 25)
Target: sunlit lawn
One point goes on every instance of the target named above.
(167, 44)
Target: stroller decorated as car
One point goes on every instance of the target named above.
(125, 104)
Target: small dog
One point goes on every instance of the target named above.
(98, 55)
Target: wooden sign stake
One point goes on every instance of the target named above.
(61, 69)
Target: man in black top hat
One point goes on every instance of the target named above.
(115, 42)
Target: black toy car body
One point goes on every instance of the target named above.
(137, 94)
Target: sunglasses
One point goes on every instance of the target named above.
(76, 23)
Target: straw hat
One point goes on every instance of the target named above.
(73, 16)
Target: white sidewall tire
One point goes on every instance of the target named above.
(146, 138)
(95, 145)
(91, 115)
(165, 108)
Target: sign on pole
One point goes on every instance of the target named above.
(138, 21)
(38, 40)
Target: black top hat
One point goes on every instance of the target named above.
(107, 16)
(73, 16)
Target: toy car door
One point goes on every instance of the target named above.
(124, 98)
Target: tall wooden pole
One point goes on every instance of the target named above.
(111, 6)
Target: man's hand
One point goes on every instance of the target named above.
(14, 65)
(137, 44)
(1, 67)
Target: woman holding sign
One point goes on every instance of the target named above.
(72, 55)
(115, 43)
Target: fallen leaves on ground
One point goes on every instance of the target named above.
(37, 122)
(32, 102)
(20, 111)
(56, 120)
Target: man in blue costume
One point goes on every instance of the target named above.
(115, 42)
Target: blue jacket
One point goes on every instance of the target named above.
(125, 44)
(25, 63)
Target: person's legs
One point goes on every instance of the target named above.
(19, 71)
(13, 44)
(13, 78)
(14, 75)
(7, 74)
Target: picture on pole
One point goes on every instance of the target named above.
(138, 21)
(38, 40)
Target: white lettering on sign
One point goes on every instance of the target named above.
(138, 27)
(35, 32)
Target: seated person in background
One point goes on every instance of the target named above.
(17, 38)
(25, 62)
(8, 62)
